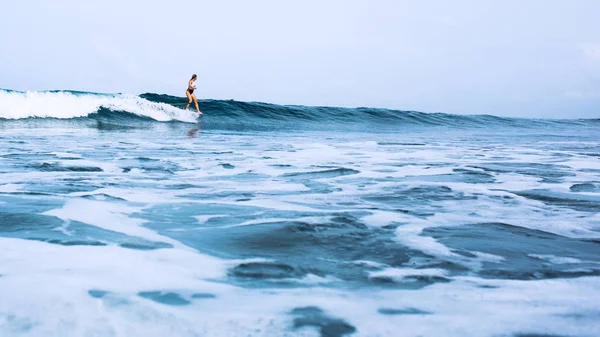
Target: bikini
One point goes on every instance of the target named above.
(190, 90)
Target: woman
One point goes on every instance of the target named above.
(190, 93)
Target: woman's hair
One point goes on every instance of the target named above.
(194, 77)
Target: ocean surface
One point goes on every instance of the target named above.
(125, 215)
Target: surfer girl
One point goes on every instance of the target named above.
(190, 93)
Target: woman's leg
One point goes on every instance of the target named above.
(195, 102)
(187, 93)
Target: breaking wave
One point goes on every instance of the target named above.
(120, 108)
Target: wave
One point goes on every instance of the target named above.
(66, 104)
(122, 109)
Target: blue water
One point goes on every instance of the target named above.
(124, 215)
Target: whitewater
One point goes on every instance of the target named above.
(125, 215)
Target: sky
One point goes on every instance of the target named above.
(534, 58)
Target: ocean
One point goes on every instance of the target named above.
(125, 215)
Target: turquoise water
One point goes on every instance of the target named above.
(124, 215)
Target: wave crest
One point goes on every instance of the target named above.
(73, 104)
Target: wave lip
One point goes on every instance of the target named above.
(65, 104)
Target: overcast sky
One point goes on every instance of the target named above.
(532, 58)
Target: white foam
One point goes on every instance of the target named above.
(309, 279)
(371, 264)
(17, 105)
(274, 204)
(63, 307)
(44, 286)
(582, 163)
(384, 218)
(309, 220)
(223, 184)
(410, 236)
(29, 177)
(567, 222)
(409, 231)
(108, 215)
(11, 188)
(400, 274)
(111, 268)
(485, 257)
(355, 145)
(66, 155)
(202, 219)
(139, 195)
(555, 259)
